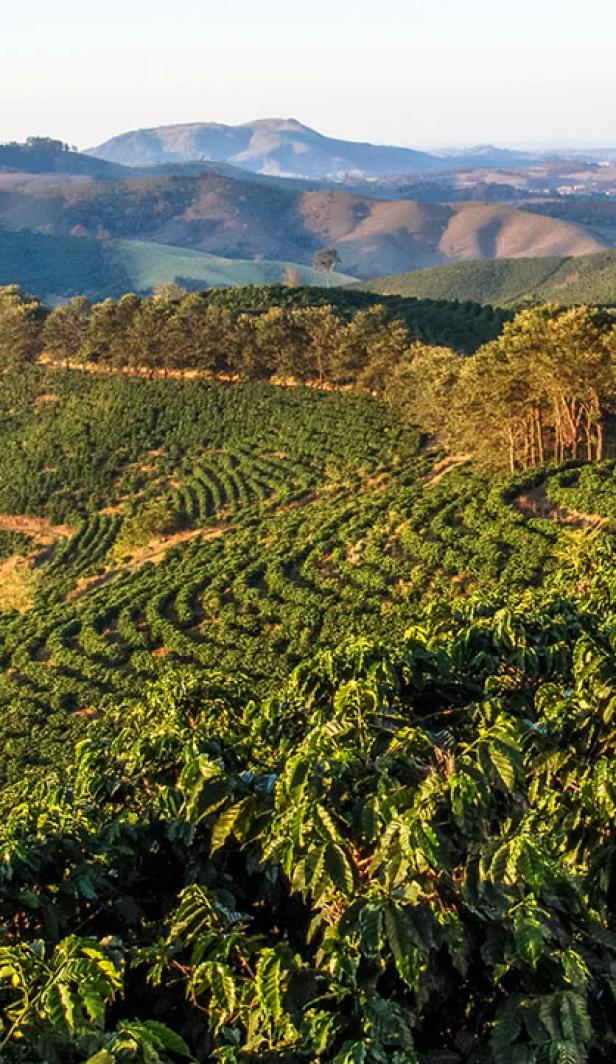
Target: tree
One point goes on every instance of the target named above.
(540, 392)
(282, 339)
(582, 375)
(168, 291)
(422, 384)
(291, 277)
(21, 320)
(66, 330)
(251, 358)
(369, 347)
(110, 324)
(145, 339)
(326, 259)
(324, 332)
(199, 336)
(485, 413)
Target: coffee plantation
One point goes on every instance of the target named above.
(307, 726)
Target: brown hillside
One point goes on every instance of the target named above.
(490, 231)
(248, 219)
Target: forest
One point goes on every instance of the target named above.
(307, 711)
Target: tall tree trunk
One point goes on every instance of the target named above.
(600, 440)
(511, 450)
(540, 440)
(529, 430)
(558, 432)
(589, 437)
(525, 452)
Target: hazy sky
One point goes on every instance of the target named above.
(414, 72)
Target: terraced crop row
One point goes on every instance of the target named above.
(105, 439)
(233, 480)
(87, 547)
(276, 585)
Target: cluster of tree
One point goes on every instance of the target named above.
(166, 334)
(36, 153)
(352, 341)
(540, 393)
(463, 325)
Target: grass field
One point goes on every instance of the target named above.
(147, 264)
(58, 267)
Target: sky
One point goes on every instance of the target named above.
(411, 72)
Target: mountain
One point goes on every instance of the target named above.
(282, 147)
(584, 279)
(255, 219)
(57, 267)
(488, 155)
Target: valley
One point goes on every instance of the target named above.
(230, 207)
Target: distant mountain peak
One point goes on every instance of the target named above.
(280, 125)
(276, 146)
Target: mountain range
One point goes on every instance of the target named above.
(284, 147)
(281, 147)
(212, 204)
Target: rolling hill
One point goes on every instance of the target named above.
(57, 267)
(42, 155)
(247, 219)
(583, 279)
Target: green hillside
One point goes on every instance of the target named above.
(57, 267)
(147, 264)
(291, 517)
(307, 736)
(583, 279)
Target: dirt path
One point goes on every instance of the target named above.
(444, 466)
(153, 552)
(145, 373)
(535, 503)
(38, 527)
(17, 584)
